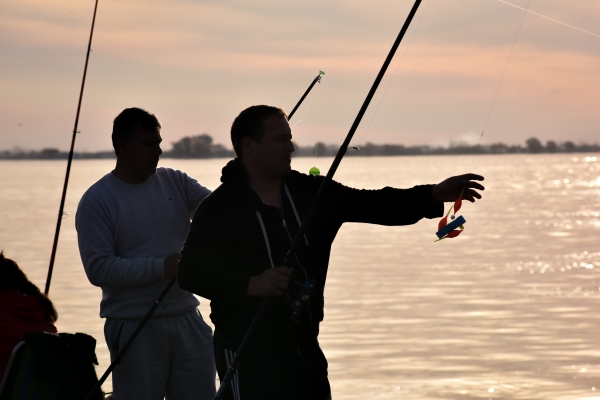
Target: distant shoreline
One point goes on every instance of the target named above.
(202, 147)
(87, 156)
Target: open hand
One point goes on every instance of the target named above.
(450, 189)
(272, 282)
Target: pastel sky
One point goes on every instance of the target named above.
(197, 64)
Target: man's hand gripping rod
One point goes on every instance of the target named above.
(225, 383)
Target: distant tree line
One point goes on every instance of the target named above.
(199, 146)
(532, 146)
(52, 154)
(202, 146)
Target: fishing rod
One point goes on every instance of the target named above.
(317, 79)
(225, 383)
(137, 330)
(70, 161)
(148, 315)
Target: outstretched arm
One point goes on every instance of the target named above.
(391, 206)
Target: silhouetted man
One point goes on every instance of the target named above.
(131, 225)
(241, 233)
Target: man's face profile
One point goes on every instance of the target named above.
(274, 152)
(143, 152)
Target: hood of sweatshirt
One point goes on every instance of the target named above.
(234, 171)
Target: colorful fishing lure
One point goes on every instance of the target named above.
(449, 230)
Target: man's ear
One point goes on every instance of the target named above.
(248, 146)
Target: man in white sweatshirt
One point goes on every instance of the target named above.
(131, 226)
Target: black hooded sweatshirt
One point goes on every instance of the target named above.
(226, 246)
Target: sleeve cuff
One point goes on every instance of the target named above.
(434, 210)
(437, 210)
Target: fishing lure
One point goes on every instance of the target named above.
(449, 230)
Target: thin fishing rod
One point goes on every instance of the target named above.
(317, 79)
(225, 383)
(148, 315)
(121, 352)
(69, 162)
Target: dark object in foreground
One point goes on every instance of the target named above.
(49, 366)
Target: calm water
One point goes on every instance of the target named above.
(507, 310)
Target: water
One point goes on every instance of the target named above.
(507, 310)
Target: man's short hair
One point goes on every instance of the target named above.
(250, 123)
(127, 123)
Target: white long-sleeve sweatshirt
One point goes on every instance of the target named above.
(125, 231)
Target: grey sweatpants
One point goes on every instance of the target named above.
(171, 357)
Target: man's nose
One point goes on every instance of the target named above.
(159, 152)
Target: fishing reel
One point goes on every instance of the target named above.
(300, 298)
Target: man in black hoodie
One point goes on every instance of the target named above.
(238, 239)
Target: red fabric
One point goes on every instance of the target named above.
(457, 205)
(454, 233)
(443, 222)
(19, 314)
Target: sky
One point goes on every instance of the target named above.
(197, 64)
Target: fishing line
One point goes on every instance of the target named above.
(453, 232)
(305, 111)
(500, 83)
(550, 19)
